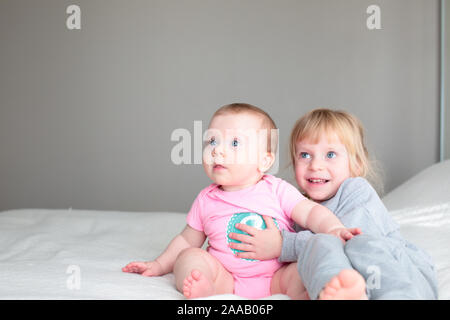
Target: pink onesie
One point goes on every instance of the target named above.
(215, 212)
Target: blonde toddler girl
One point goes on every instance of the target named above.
(331, 163)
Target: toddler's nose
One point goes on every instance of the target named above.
(317, 164)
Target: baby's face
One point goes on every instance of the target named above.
(321, 167)
(234, 150)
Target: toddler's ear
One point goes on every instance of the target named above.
(357, 171)
(266, 162)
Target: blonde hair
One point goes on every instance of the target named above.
(351, 134)
(268, 123)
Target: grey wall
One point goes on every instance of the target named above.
(86, 115)
(446, 88)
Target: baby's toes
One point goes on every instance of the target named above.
(187, 291)
(195, 275)
(187, 288)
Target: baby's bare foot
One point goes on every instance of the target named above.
(347, 285)
(197, 285)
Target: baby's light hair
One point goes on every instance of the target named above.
(351, 134)
(267, 121)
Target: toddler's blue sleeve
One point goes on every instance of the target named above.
(293, 244)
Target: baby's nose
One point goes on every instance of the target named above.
(218, 150)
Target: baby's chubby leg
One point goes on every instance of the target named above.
(286, 280)
(199, 274)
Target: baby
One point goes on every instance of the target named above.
(241, 144)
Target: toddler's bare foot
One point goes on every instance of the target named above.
(197, 285)
(347, 285)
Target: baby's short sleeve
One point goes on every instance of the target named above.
(194, 216)
(289, 196)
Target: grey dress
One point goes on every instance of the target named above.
(393, 267)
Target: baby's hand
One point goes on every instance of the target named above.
(345, 233)
(147, 269)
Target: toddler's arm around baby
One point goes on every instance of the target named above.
(319, 219)
(188, 238)
(268, 243)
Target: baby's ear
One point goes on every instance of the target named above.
(266, 162)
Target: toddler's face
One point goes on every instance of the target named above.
(233, 156)
(321, 167)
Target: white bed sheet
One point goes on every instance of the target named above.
(421, 205)
(41, 251)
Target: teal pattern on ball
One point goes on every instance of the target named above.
(249, 218)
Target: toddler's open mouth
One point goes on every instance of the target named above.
(317, 180)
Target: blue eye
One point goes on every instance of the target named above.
(213, 142)
(305, 155)
(235, 143)
(331, 155)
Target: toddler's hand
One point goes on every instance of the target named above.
(147, 269)
(345, 233)
(260, 244)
